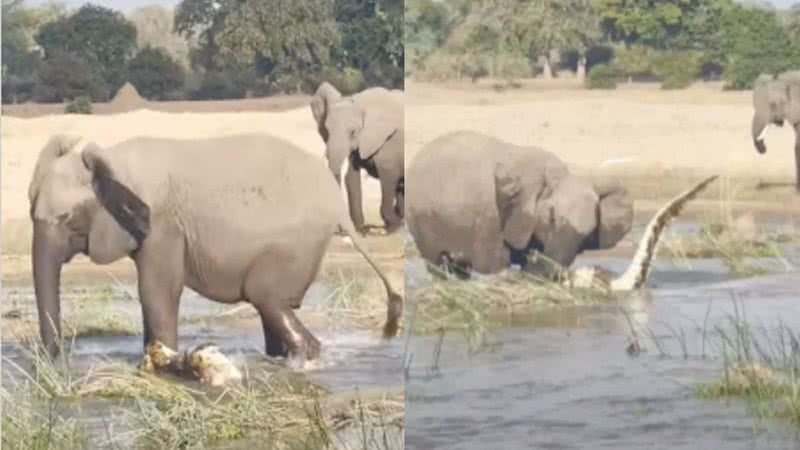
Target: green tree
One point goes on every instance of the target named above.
(371, 39)
(56, 84)
(100, 36)
(754, 42)
(154, 28)
(155, 74)
(288, 41)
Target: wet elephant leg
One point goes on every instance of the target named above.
(276, 285)
(399, 202)
(160, 267)
(299, 344)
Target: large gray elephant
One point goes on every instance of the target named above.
(239, 218)
(364, 131)
(500, 202)
(777, 100)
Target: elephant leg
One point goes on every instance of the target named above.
(399, 202)
(389, 214)
(276, 284)
(296, 342)
(160, 268)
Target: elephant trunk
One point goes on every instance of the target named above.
(49, 252)
(760, 126)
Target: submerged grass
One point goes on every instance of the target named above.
(473, 308)
(277, 408)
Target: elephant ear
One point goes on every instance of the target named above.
(325, 96)
(615, 212)
(378, 127)
(58, 146)
(129, 211)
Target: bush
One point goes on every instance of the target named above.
(79, 105)
(65, 76)
(603, 76)
(155, 74)
(677, 70)
(17, 89)
(348, 80)
(635, 60)
(219, 85)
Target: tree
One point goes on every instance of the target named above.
(371, 39)
(288, 41)
(57, 84)
(754, 43)
(155, 74)
(100, 36)
(154, 28)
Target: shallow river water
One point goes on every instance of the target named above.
(562, 378)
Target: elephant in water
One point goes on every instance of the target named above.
(777, 100)
(237, 218)
(502, 203)
(364, 131)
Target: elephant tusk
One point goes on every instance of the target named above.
(763, 134)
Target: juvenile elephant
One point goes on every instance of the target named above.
(777, 100)
(486, 204)
(239, 218)
(364, 131)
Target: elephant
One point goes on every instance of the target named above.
(239, 218)
(502, 202)
(776, 99)
(364, 131)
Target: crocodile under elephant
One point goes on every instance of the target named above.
(199, 213)
(364, 131)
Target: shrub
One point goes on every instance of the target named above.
(218, 85)
(603, 76)
(635, 60)
(677, 69)
(348, 80)
(17, 89)
(79, 105)
(155, 74)
(65, 76)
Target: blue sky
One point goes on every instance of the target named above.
(127, 5)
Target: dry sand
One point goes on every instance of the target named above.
(702, 129)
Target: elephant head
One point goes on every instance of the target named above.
(77, 206)
(565, 216)
(776, 100)
(347, 126)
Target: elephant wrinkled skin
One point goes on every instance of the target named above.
(364, 131)
(501, 202)
(238, 218)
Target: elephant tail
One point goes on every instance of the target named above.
(636, 274)
(394, 300)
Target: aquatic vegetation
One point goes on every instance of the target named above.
(732, 240)
(475, 307)
(761, 367)
(276, 406)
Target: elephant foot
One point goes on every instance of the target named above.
(307, 350)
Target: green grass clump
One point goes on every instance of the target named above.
(474, 307)
(760, 368)
(603, 76)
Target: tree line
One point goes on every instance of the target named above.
(672, 41)
(203, 49)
